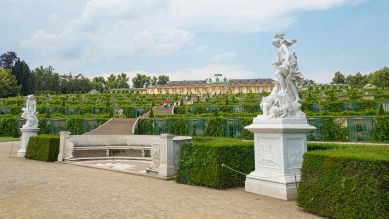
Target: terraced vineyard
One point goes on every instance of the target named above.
(339, 113)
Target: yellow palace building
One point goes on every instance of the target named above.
(218, 84)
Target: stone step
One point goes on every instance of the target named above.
(115, 126)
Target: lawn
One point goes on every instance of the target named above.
(4, 139)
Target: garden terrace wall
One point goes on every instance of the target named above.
(346, 182)
(11, 126)
(365, 129)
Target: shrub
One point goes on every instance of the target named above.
(331, 131)
(43, 147)
(144, 127)
(215, 127)
(9, 127)
(381, 129)
(76, 126)
(346, 182)
(201, 162)
(177, 126)
(151, 115)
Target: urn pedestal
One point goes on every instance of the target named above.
(279, 146)
(26, 134)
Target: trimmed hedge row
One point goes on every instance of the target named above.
(346, 182)
(201, 162)
(213, 127)
(328, 128)
(10, 126)
(43, 147)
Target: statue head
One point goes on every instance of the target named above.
(279, 39)
(30, 97)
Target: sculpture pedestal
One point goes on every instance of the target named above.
(26, 134)
(279, 145)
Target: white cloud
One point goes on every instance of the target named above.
(223, 57)
(203, 72)
(119, 29)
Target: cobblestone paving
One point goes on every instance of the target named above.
(34, 189)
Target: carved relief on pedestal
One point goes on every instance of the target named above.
(155, 155)
(294, 153)
(267, 153)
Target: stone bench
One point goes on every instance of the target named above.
(109, 151)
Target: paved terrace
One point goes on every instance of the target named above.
(35, 189)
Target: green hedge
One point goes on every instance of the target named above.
(9, 127)
(43, 147)
(346, 182)
(144, 127)
(381, 131)
(201, 162)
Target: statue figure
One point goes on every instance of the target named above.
(283, 102)
(29, 113)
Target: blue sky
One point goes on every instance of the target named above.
(190, 40)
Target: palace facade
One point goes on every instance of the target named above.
(218, 84)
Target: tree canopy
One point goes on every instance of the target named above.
(8, 84)
(8, 59)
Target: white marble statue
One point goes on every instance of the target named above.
(283, 102)
(29, 113)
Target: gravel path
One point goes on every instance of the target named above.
(34, 189)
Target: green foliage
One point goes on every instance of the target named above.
(201, 162)
(76, 126)
(381, 129)
(381, 111)
(8, 84)
(144, 127)
(23, 77)
(43, 147)
(141, 81)
(331, 131)
(345, 182)
(151, 115)
(177, 126)
(380, 77)
(339, 78)
(9, 127)
(215, 127)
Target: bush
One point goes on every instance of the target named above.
(76, 126)
(177, 126)
(43, 147)
(9, 127)
(345, 182)
(215, 127)
(201, 162)
(144, 127)
(381, 129)
(331, 131)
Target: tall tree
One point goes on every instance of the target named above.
(75, 84)
(46, 79)
(99, 83)
(154, 81)
(339, 78)
(163, 79)
(8, 59)
(141, 81)
(122, 81)
(380, 77)
(111, 82)
(23, 77)
(8, 84)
